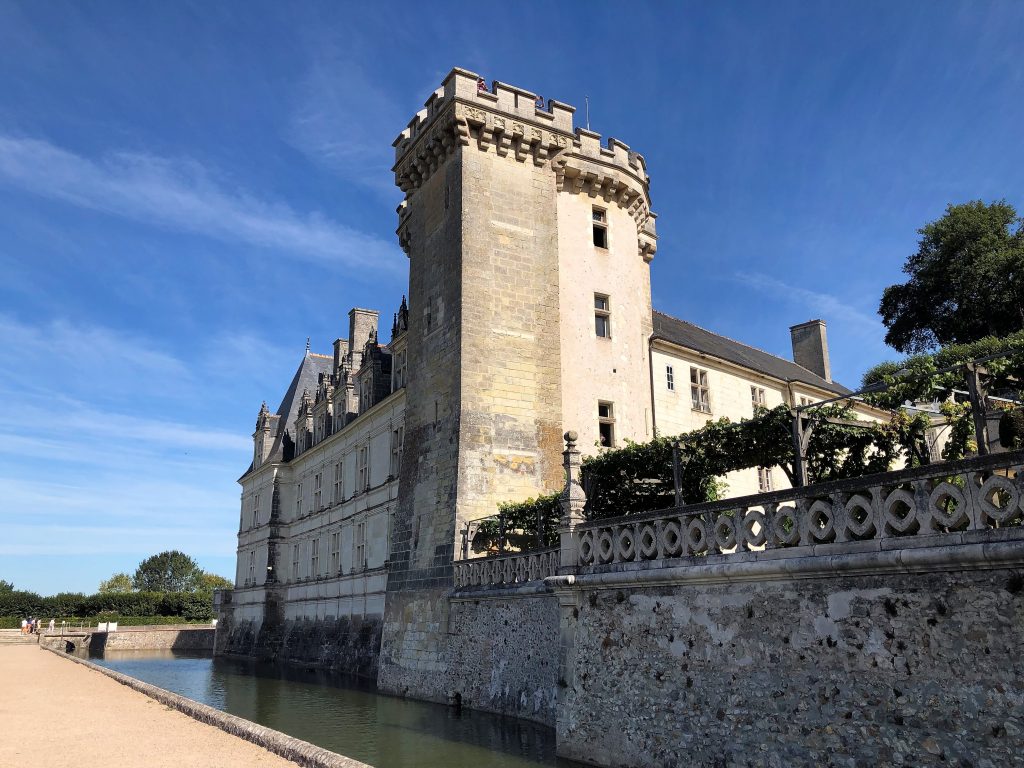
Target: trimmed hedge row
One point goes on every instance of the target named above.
(14, 622)
(110, 605)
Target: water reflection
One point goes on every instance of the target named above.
(345, 716)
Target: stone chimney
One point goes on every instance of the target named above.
(810, 347)
(340, 350)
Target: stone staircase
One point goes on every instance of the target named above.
(14, 637)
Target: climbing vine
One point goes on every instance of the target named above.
(639, 476)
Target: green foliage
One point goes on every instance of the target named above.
(917, 379)
(1011, 428)
(6, 586)
(638, 477)
(177, 605)
(520, 520)
(966, 280)
(170, 571)
(119, 582)
(14, 622)
(211, 581)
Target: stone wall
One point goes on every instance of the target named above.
(908, 669)
(348, 645)
(495, 652)
(135, 639)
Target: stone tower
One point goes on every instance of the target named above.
(520, 232)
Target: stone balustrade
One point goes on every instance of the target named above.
(507, 569)
(972, 495)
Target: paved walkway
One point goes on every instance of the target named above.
(57, 713)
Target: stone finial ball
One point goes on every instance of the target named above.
(570, 436)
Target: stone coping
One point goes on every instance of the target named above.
(982, 550)
(300, 752)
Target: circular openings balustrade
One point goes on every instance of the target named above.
(899, 514)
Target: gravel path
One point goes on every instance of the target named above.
(56, 713)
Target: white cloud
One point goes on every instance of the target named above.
(825, 304)
(184, 195)
(344, 121)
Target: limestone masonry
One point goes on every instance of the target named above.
(720, 635)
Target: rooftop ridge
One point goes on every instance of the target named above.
(743, 344)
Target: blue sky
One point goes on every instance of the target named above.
(189, 190)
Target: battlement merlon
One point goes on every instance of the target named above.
(507, 120)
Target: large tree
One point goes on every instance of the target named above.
(170, 571)
(119, 583)
(966, 280)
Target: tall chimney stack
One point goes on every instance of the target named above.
(810, 347)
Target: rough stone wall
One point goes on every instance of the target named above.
(504, 655)
(349, 645)
(891, 670)
(497, 654)
(155, 639)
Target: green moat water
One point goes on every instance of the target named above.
(344, 717)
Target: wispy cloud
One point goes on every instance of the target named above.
(830, 307)
(344, 121)
(186, 196)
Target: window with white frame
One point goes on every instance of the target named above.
(757, 397)
(599, 217)
(295, 562)
(335, 553)
(298, 499)
(363, 469)
(700, 393)
(314, 557)
(602, 316)
(339, 482)
(397, 439)
(805, 401)
(401, 366)
(606, 424)
(764, 479)
(670, 378)
(318, 480)
(359, 547)
(252, 566)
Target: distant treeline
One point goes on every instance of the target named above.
(186, 605)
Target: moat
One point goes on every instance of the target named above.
(344, 716)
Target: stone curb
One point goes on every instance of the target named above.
(301, 752)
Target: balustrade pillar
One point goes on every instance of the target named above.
(572, 502)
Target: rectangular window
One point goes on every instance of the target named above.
(317, 493)
(314, 558)
(252, 567)
(335, 553)
(764, 479)
(397, 438)
(602, 316)
(606, 424)
(805, 401)
(757, 397)
(295, 562)
(700, 394)
(362, 469)
(600, 221)
(339, 483)
(298, 499)
(670, 378)
(359, 540)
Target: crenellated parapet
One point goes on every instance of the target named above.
(518, 124)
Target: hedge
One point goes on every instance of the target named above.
(115, 605)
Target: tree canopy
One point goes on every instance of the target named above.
(118, 583)
(6, 586)
(211, 581)
(966, 280)
(170, 571)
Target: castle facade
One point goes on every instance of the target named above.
(528, 314)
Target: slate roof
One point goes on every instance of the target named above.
(306, 377)
(690, 336)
